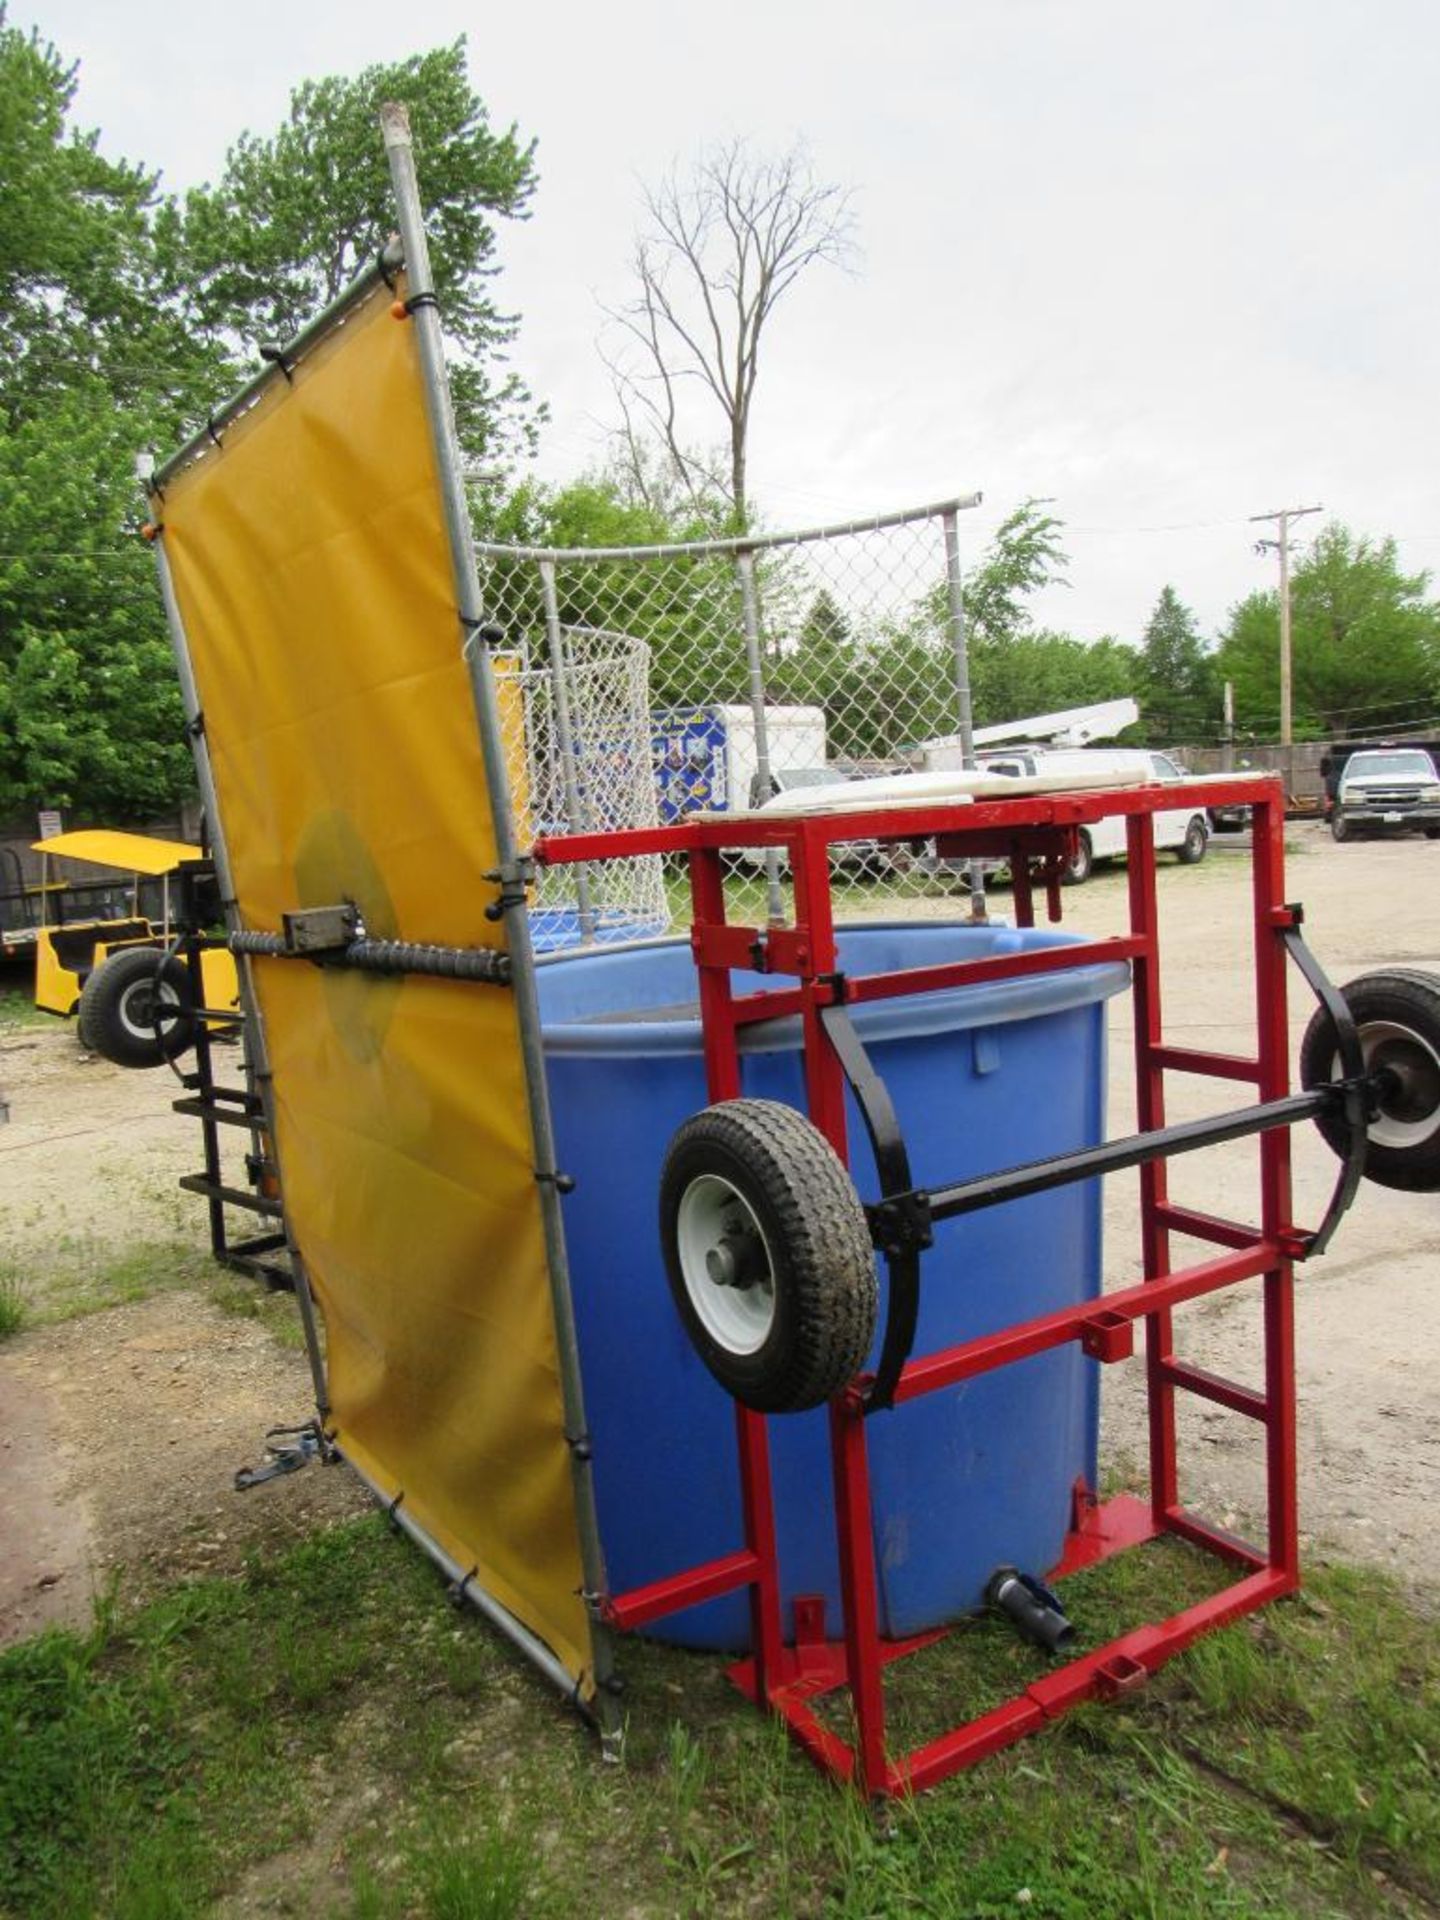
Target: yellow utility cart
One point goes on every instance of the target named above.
(102, 947)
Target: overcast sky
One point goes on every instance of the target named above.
(1170, 266)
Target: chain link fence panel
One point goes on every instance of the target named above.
(651, 683)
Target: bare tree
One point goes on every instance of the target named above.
(721, 248)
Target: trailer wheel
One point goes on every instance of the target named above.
(1077, 871)
(768, 1254)
(1339, 826)
(1397, 1013)
(118, 1004)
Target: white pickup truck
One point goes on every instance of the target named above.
(1387, 790)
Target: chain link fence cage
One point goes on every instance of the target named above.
(644, 684)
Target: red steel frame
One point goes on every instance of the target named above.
(1035, 834)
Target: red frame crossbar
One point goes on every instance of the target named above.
(1036, 835)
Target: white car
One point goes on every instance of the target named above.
(1183, 830)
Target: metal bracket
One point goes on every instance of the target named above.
(900, 1224)
(287, 1449)
(514, 880)
(1355, 1088)
(316, 930)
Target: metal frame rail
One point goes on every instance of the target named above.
(261, 1255)
(1036, 835)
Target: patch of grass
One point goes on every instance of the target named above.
(327, 1723)
(85, 1274)
(14, 1306)
(18, 1009)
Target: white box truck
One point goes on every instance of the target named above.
(706, 760)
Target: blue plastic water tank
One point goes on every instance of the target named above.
(982, 1077)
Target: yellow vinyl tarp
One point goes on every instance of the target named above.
(311, 568)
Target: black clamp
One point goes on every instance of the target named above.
(455, 1592)
(392, 1511)
(579, 1445)
(482, 629)
(427, 298)
(195, 729)
(902, 1223)
(562, 1182)
(1355, 1091)
(838, 984)
(514, 880)
(759, 954)
(216, 438)
(278, 358)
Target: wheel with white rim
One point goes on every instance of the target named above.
(768, 1254)
(136, 1008)
(1397, 1015)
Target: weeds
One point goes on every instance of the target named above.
(14, 1306)
(328, 1713)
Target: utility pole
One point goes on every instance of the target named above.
(1283, 515)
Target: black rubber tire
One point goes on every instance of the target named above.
(1339, 830)
(1407, 999)
(115, 1007)
(1193, 847)
(821, 1263)
(1080, 868)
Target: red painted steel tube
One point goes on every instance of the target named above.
(862, 988)
(641, 1605)
(1146, 1647)
(1207, 1226)
(1219, 1066)
(955, 820)
(993, 1350)
(1214, 1387)
(855, 1527)
(1002, 966)
(1154, 1177)
(1218, 1540)
(1271, 982)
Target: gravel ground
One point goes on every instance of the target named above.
(121, 1430)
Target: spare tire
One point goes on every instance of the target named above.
(1397, 1014)
(768, 1254)
(120, 1001)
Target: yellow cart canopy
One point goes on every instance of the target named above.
(131, 852)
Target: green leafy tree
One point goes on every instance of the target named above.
(1365, 642)
(296, 215)
(1025, 555)
(1045, 673)
(81, 289)
(124, 317)
(1176, 680)
(89, 709)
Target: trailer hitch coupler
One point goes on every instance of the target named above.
(1032, 1608)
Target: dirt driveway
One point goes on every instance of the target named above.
(121, 1429)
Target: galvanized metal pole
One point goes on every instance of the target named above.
(576, 812)
(395, 123)
(755, 664)
(256, 1050)
(955, 597)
